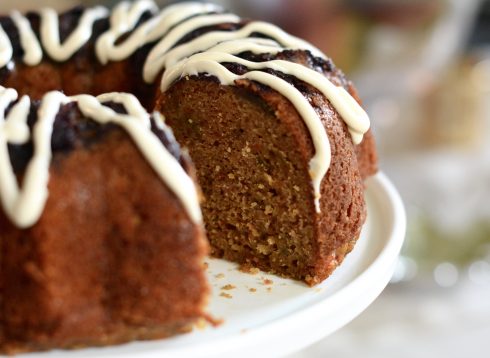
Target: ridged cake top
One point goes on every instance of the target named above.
(189, 39)
(24, 205)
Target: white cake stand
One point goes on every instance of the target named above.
(264, 315)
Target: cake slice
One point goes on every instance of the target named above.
(254, 152)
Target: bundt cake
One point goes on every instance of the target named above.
(103, 241)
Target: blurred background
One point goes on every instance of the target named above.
(423, 71)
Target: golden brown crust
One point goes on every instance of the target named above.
(105, 262)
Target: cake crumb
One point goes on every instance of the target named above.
(263, 249)
(247, 268)
(228, 287)
(225, 295)
(269, 179)
(206, 321)
(219, 276)
(269, 289)
(245, 151)
(267, 281)
(215, 322)
(201, 324)
(252, 289)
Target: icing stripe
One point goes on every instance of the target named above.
(16, 128)
(155, 60)
(24, 205)
(8, 182)
(125, 17)
(255, 45)
(6, 49)
(160, 57)
(174, 14)
(33, 53)
(50, 34)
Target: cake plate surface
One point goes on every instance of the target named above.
(266, 315)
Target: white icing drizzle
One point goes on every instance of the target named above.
(6, 49)
(200, 55)
(162, 57)
(9, 191)
(255, 45)
(125, 17)
(24, 205)
(50, 34)
(33, 53)
(155, 62)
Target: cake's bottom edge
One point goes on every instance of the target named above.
(121, 336)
